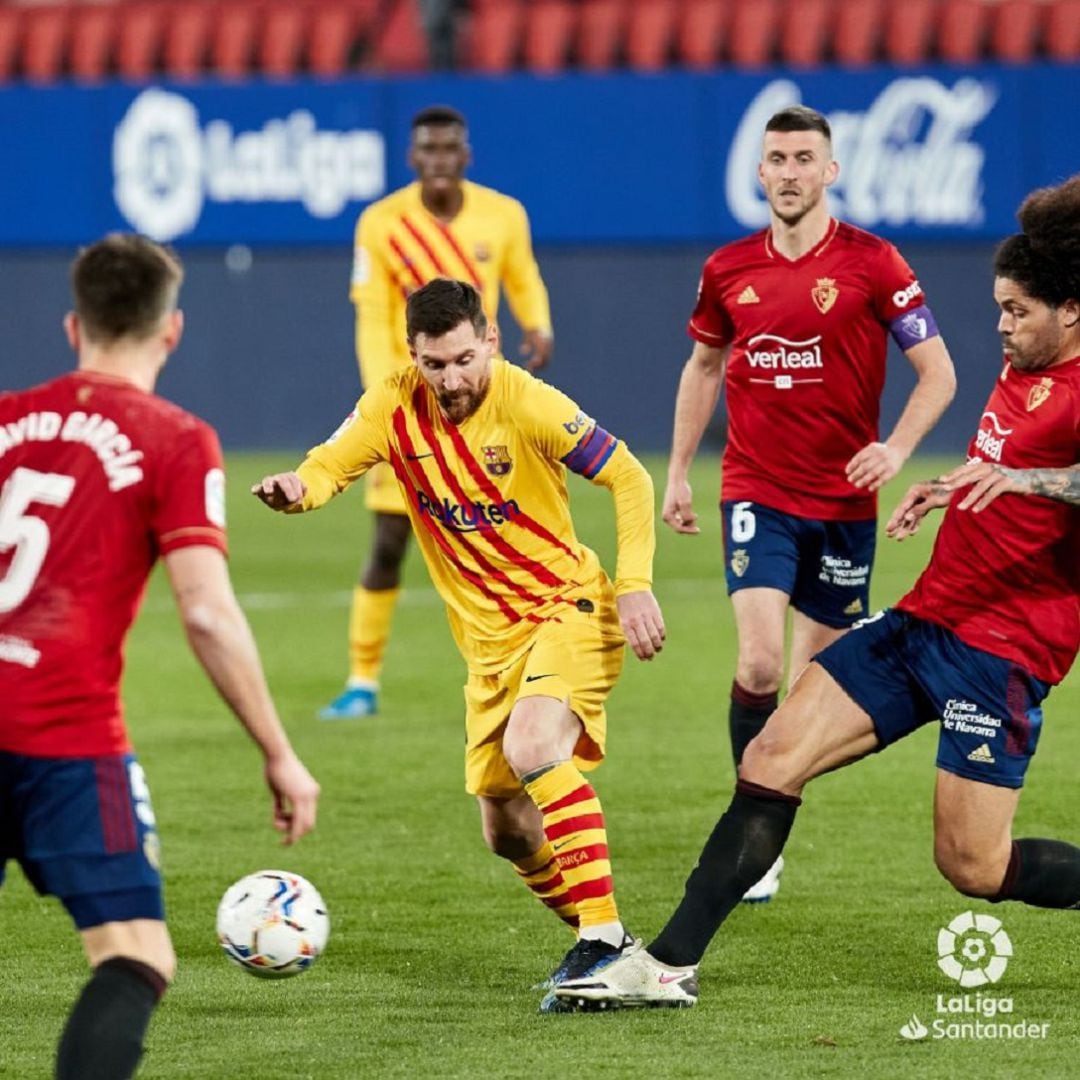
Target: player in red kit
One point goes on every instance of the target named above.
(990, 626)
(98, 478)
(795, 320)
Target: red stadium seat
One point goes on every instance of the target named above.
(1015, 32)
(549, 31)
(702, 33)
(331, 38)
(10, 31)
(908, 31)
(44, 43)
(962, 31)
(232, 40)
(754, 26)
(400, 44)
(600, 32)
(805, 32)
(857, 32)
(649, 34)
(281, 36)
(495, 35)
(93, 35)
(1062, 31)
(187, 37)
(140, 32)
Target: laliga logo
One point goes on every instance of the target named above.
(974, 949)
(166, 166)
(907, 160)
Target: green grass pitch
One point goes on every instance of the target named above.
(434, 944)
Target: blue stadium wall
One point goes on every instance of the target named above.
(630, 182)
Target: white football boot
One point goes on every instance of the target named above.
(768, 886)
(637, 980)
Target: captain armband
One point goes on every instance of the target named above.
(913, 327)
(591, 453)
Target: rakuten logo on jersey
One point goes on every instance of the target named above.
(909, 159)
(770, 352)
(166, 164)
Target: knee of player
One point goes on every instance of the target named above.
(968, 871)
(760, 669)
(769, 760)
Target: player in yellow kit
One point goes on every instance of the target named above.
(479, 449)
(440, 226)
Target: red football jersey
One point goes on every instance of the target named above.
(807, 363)
(98, 479)
(1007, 580)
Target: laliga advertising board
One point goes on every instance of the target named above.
(928, 154)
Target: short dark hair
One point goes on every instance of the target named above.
(438, 116)
(799, 118)
(443, 305)
(1044, 259)
(123, 285)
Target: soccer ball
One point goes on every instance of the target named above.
(273, 924)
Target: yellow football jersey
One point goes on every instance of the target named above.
(489, 504)
(399, 246)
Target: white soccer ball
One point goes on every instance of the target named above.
(272, 924)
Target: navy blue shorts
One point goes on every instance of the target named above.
(824, 566)
(905, 672)
(83, 830)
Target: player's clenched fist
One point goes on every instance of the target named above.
(280, 490)
(642, 623)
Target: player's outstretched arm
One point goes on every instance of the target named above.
(988, 481)
(280, 491)
(699, 391)
(642, 623)
(221, 639)
(920, 499)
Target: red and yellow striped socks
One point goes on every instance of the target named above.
(541, 874)
(574, 825)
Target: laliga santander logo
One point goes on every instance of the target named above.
(907, 160)
(974, 949)
(166, 166)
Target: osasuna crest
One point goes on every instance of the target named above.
(1039, 393)
(824, 294)
(497, 460)
(739, 561)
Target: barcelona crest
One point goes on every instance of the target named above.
(497, 460)
(739, 561)
(824, 294)
(1039, 393)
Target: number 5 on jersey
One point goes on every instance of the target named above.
(27, 534)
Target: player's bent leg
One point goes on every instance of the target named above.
(973, 833)
(974, 849)
(808, 638)
(133, 963)
(373, 604)
(817, 728)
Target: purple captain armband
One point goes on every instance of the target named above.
(913, 327)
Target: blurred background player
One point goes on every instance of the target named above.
(100, 477)
(794, 319)
(440, 226)
(480, 450)
(991, 625)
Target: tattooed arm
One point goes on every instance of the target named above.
(989, 481)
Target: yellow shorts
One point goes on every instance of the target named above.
(576, 662)
(381, 492)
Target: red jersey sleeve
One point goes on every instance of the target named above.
(896, 289)
(190, 505)
(710, 323)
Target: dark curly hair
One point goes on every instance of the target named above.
(1045, 258)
